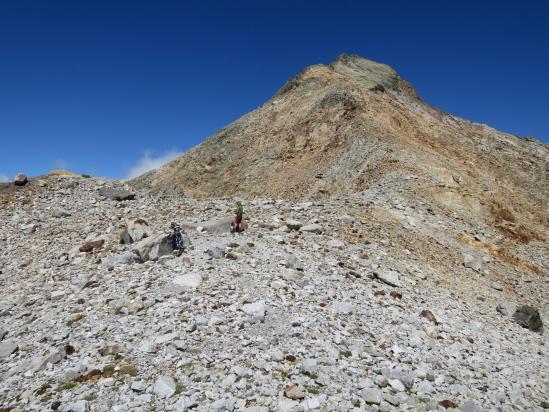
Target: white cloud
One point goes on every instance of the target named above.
(148, 162)
(4, 178)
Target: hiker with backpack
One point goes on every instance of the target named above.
(180, 240)
(239, 212)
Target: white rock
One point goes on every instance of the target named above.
(256, 310)
(372, 395)
(138, 386)
(57, 295)
(189, 281)
(397, 385)
(164, 386)
(343, 308)
(336, 244)
(312, 228)
(78, 406)
(309, 366)
(390, 277)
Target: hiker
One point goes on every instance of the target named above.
(235, 225)
(178, 238)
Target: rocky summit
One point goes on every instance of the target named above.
(393, 258)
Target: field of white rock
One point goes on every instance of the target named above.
(359, 303)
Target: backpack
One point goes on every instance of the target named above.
(177, 239)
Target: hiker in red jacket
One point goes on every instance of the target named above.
(235, 225)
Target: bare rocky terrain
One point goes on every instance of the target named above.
(394, 257)
(362, 302)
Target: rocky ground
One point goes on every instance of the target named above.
(365, 302)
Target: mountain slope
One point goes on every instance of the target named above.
(348, 126)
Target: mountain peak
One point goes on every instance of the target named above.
(354, 126)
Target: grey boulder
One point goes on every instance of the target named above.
(153, 247)
(528, 317)
(116, 194)
(20, 179)
(7, 348)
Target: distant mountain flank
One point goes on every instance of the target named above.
(348, 126)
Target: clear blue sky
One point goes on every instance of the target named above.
(92, 85)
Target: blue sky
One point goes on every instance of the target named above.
(109, 87)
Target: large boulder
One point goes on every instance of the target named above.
(20, 179)
(528, 317)
(116, 194)
(134, 231)
(218, 226)
(151, 248)
(127, 258)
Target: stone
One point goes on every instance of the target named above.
(216, 252)
(78, 406)
(469, 406)
(335, 244)
(60, 213)
(293, 392)
(507, 308)
(185, 404)
(397, 385)
(309, 366)
(528, 317)
(427, 314)
(372, 396)
(187, 282)
(138, 386)
(217, 226)
(134, 230)
(20, 179)
(425, 387)
(390, 277)
(116, 194)
(312, 228)
(293, 224)
(447, 403)
(151, 248)
(90, 246)
(497, 286)
(347, 219)
(472, 262)
(255, 310)
(180, 344)
(127, 258)
(148, 346)
(57, 295)
(292, 262)
(343, 308)
(7, 348)
(164, 386)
